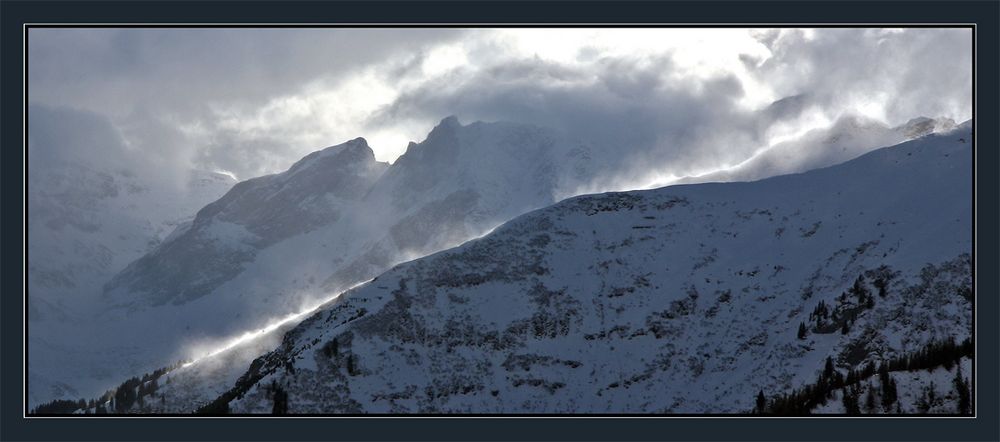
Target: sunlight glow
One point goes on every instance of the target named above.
(272, 326)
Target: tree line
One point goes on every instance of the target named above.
(935, 354)
(119, 399)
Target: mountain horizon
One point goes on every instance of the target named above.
(440, 140)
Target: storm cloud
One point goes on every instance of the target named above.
(657, 102)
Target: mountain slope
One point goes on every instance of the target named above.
(255, 214)
(459, 183)
(845, 139)
(680, 299)
(275, 244)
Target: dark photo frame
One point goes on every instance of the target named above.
(980, 16)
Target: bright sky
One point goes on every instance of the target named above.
(252, 101)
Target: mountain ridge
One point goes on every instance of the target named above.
(444, 333)
(369, 237)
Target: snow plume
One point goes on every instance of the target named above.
(206, 350)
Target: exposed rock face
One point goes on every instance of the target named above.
(680, 299)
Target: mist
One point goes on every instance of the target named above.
(122, 119)
(252, 101)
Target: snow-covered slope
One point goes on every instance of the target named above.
(276, 244)
(932, 391)
(848, 137)
(338, 217)
(459, 183)
(680, 299)
(227, 234)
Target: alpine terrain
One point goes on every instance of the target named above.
(275, 245)
(840, 290)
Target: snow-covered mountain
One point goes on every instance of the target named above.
(688, 298)
(346, 217)
(275, 244)
(461, 182)
(848, 137)
(227, 234)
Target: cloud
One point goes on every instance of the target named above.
(655, 115)
(62, 136)
(613, 101)
(188, 85)
(67, 135)
(663, 102)
(890, 75)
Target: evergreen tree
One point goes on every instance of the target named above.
(859, 289)
(962, 388)
(888, 385)
(802, 330)
(850, 400)
(331, 349)
(870, 400)
(828, 369)
(352, 365)
(889, 395)
(280, 401)
(761, 402)
(924, 403)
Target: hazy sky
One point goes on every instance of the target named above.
(252, 101)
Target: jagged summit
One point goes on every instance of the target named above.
(683, 299)
(347, 153)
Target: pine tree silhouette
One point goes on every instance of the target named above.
(962, 388)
